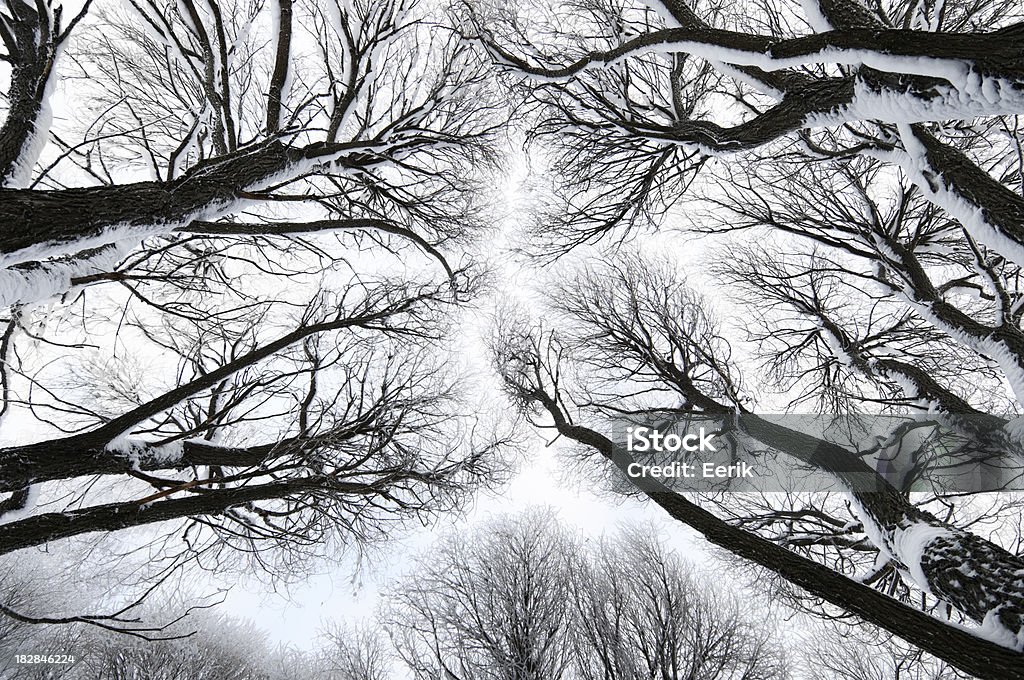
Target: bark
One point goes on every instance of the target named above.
(986, 427)
(52, 526)
(988, 54)
(976, 576)
(281, 65)
(1001, 209)
(816, 97)
(79, 457)
(61, 217)
(960, 648)
(32, 54)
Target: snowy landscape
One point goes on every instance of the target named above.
(525, 340)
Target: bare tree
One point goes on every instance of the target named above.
(634, 325)
(910, 207)
(522, 596)
(349, 142)
(211, 647)
(641, 611)
(494, 606)
(357, 653)
(232, 344)
(636, 96)
(280, 452)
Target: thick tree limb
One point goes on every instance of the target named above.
(43, 528)
(282, 62)
(891, 50)
(86, 453)
(955, 646)
(32, 38)
(88, 217)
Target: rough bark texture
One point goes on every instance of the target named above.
(35, 217)
(79, 457)
(32, 55)
(1001, 208)
(988, 54)
(963, 650)
(976, 576)
(52, 526)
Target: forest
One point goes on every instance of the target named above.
(303, 287)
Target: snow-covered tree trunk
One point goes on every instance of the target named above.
(33, 38)
(980, 657)
(978, 577)
(45, 222)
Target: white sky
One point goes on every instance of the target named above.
(349, 589)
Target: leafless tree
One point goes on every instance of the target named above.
(236, 334)
(493, 606)
(637, 328)
(218, 647)
(522, 596)
(641, 611)
(860, 656)
(279, 450)
(357, 653)
(633, 98)
(889, 206)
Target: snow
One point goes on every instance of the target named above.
(136, 449)
(913, 161)
(993, 630)
(835, 347)
(922, 21)
(814, 16)
(36, 141)
(662, 11)
(972, 89)
(116, 233)
(910, 543)
(27, 286)
(872, 529)
(993, 97)
(22, 513)
(48, 279)
(1010, 362)
(736, 74)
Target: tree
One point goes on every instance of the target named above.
(645, 612)
(840, 142)
(371, 153)
(357, 653)
(633, 325)
(225, 321)
(521, 597)
(212, 647)
(861, 658)
(627, 94)
(493, 606)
